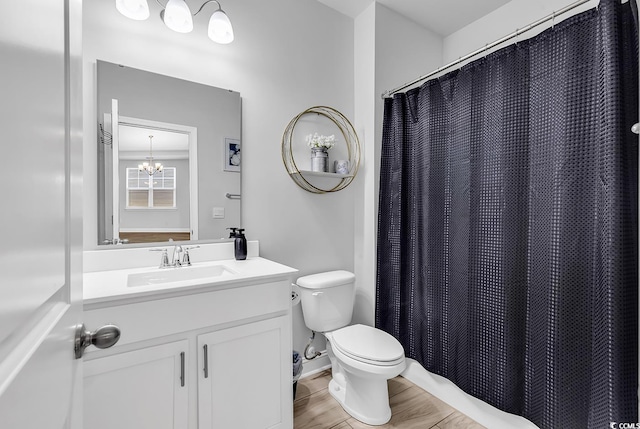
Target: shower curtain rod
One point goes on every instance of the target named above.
(516, 33)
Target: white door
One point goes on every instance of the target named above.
(40, 213)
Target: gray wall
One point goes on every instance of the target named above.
(288, 55)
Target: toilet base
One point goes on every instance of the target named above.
(360, 387)
(367, 401)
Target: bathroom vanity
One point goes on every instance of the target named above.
(204, 346)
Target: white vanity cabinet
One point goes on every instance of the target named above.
(140, 389)
(212, 357)
(243, 365)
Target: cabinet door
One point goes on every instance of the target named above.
(145, 388)
(245, 376)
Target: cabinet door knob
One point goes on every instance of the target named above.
(102, 338)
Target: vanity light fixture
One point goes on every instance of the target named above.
(149, 166)
(177, 16)
(134, 9)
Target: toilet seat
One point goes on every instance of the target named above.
(368, 345)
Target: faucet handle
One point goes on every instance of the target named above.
(185, 258)
(164, 258)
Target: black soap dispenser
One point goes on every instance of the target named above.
(240, 245)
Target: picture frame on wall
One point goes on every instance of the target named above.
(231, 156)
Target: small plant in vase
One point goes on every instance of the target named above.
(320, 146)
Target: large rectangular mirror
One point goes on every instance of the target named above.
(189, 136)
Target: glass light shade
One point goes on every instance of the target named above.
(177, 16)
(220, 29)
(134, 9)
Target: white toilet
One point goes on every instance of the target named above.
(362, 358)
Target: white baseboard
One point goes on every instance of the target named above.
(314, 366)
(476, 409)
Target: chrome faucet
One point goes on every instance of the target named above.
(175, 259)
(116, 241)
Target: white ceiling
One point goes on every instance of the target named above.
(441, 16)
(166, 144)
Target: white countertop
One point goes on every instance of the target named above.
(107, 287)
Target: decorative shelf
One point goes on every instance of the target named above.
(322, 174)
(350, 139)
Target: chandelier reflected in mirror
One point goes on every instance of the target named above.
(149, 166)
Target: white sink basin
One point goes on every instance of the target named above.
(171, 275)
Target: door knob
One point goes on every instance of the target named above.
(102, 338)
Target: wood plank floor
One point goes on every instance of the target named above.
(411, 408)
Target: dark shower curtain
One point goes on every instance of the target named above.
(507, 230)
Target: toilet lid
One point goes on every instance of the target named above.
(367, 343)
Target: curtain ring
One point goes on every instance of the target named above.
(517, 36)
(486, 46)
(553, 19)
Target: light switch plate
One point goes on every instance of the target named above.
(218, 213)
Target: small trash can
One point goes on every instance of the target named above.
(297, 370)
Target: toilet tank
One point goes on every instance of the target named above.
(327, 299)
